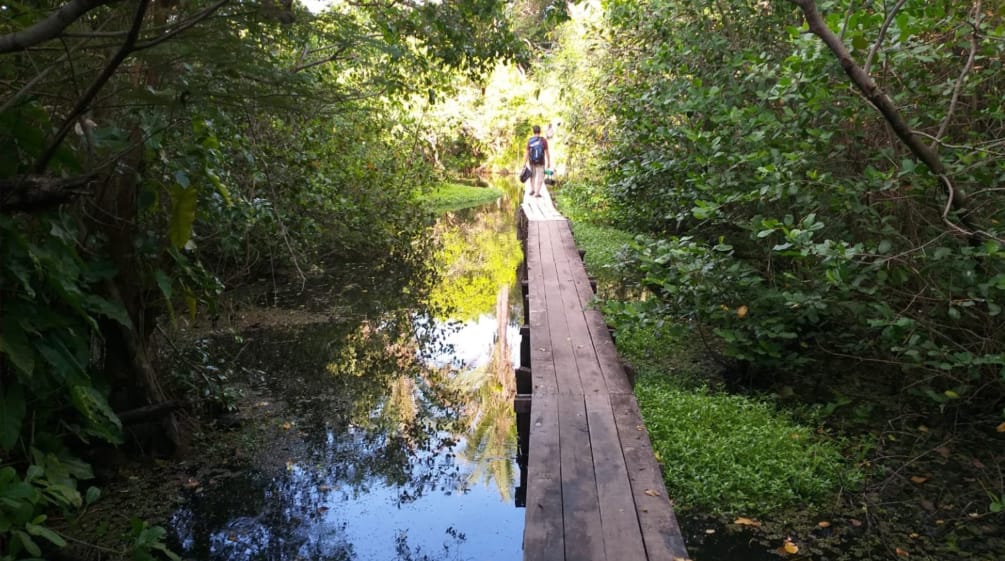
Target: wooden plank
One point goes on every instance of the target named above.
(563, 357)
(542, 365)
(591, 378)
(622, 534)
(543, 534)
(584, 537)
(615, 379)
(660, 531)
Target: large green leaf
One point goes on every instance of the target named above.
(12, 409)
(14, 344)
(99, 305)
(182, 215)
(104, 422)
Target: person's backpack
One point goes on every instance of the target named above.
(536, 147)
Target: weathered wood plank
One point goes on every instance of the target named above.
(614, 375)
(594, 490)
(542, 366)
(660, 531)
(543, 534)
(569, 267)
(622, 534)
(558, 328)
(584, 536)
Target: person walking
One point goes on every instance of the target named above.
(538, 158)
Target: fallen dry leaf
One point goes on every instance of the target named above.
(943, 451)
(744, 521)
(1001, 428)
(855, 522)
(741, 312)
(676, 558)
(824, 524)
(790, 547)
(710, 531)
(902, 553)
(652, 492)
(914, 535)
(918, 479)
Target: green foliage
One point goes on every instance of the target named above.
(50, 483)
(734, 454)
(604, 247)
(454, 196)
(231, 139)
(783, 215)
(147, 542)
(475, 261)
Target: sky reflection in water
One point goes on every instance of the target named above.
(389, 440)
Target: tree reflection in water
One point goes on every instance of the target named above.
(381, 443)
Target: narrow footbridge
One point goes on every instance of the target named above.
(594, 490)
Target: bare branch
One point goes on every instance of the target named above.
(181, 26)
(963, 76)
(325, 60)
(882, 34)
(84, 102)
(50, 27)
(956, 198)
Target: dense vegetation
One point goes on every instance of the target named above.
(155, 153)
(806, 194)
(814, 191)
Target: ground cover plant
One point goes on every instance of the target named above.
(455, 196)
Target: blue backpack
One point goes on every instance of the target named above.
(536, 147)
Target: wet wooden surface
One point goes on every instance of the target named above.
(594, 488)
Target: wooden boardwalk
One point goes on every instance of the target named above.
(594, 490)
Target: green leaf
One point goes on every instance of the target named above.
(12, 410)
(220, 187)
(859, 42)
(99, 305)
(29, 544)
(92, 496)
(182, 178)
(96, 410)
(182, 216)
(43, 532)
(14, 344)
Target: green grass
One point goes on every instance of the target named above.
(731, 453)
(602, 245)
(454, 196)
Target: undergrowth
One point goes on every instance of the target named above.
(454, 196)
(732, 453)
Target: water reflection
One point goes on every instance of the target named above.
(385, 429)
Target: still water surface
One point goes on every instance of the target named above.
(383, 426)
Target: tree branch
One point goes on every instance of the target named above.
(99, 82)
(325, 60)
(38, 192)
(963, 75)
(882, 34)
(956, 199)
(191, 21)
(50, 27)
